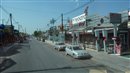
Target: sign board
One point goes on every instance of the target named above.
(78, 19)
(115, 18)
(124, 16)
(95, 19)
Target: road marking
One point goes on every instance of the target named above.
(97, 71)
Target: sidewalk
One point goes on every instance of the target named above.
(49, 42)
(111, 60)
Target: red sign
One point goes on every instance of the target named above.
(96, 38)
(104, 38)
(81, 24)
(118, 48)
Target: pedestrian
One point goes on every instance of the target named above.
(118, 46)
(84, 46)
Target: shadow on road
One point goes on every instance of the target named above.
(11, 51)
(14, 50)
(7, 63)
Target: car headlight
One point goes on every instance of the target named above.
(77, 54)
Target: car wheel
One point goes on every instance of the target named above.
(55, 48)
(74, 56)
(58, 49)
(66, 53)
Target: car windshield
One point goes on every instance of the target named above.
(64, 36)
(77, 48)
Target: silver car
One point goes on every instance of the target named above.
(60, 46)
(76, 51)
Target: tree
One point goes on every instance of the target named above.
(52, 21)
(35, 33)
(38, 33)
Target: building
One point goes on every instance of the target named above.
(102, 32)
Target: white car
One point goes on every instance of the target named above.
(60, 46)
(77, 52)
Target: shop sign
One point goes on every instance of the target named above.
(79, 19)
(81, 24)
(115, 18)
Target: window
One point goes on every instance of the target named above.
(77, 48)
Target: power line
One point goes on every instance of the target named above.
(58, 18)
(74, 10)
(4, 10)
(7, 22)
(78, 8)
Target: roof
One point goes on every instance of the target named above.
(77, 28)
(106, 26)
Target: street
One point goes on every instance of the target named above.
(41, 57)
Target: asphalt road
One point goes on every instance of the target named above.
(40, 57)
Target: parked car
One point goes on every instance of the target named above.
(77, 52)
(60, 46)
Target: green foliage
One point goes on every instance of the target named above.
(52, 21)
(38, 33)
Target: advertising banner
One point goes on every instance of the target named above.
(79, 19)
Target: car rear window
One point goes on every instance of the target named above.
(77, 48)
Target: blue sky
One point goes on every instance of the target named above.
(36, 14)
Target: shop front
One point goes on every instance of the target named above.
(112, 39)
(77, 27)
(108, 33)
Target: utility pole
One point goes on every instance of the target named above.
(12, 37)
(10, 15)
(11, 19)
(25, 31)
(62, 23)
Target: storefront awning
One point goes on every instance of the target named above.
(106, 26)
(77, 29)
